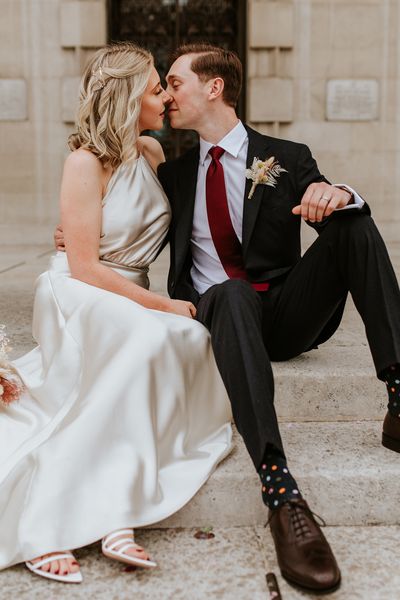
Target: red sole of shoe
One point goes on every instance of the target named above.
(390, 443)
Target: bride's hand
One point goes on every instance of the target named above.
(181, 307)
(59, 241)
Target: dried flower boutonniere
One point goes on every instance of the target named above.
(265, 172)
(10, 384)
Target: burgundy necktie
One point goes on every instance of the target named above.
(223, 234)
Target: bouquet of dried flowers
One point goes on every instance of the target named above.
(10, 384)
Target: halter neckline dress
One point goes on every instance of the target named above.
(124, 416)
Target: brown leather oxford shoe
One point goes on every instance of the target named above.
(304, 555)
(391, 433)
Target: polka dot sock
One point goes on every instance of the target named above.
(392, 380)
(278, 485)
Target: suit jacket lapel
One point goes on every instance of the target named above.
(258, 146)
(187, 180)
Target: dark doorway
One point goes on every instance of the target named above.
(161, 25)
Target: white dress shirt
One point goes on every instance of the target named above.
(207, 268)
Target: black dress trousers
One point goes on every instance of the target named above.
(299, 311)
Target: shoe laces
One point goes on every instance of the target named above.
(299, 523)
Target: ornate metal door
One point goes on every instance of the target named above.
(162, 25)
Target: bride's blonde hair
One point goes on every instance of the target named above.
(110, 99)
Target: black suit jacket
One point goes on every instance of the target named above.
(271, 233)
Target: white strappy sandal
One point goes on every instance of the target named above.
(69, 578)
(109, 549)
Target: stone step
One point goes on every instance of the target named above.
(337, 382)
(342, 469)
(230, 566)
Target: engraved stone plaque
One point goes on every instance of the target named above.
(13, 101)
(352, 100)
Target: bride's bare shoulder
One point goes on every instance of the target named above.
(82, 160)
(151, 150)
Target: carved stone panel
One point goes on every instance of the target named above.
(13, 100)
(352, 100)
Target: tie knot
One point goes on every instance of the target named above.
(216, 152)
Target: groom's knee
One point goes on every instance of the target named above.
(359, 229)
(237, 296)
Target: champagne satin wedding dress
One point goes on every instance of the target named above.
(124, 416)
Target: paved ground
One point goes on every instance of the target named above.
(233, 564)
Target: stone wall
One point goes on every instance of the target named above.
(43, 46)
(297, 51)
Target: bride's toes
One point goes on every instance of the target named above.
(63, 567)
(73, 565)
(138, 551)
(60, 566)
(120, 545)
(46, 567)
(55, 567)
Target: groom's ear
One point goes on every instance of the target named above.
(216, 88)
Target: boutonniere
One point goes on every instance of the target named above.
(265, 172)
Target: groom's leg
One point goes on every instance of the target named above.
(234, 314)
(349, 255)
(232, 311)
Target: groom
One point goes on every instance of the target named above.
(235, 253)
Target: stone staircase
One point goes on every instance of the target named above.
(330, 406)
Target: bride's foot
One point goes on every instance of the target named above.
(120, 545)
(60, 566)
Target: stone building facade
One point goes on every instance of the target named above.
(324, 72)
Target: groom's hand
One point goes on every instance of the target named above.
(59, 241)
(320, 200)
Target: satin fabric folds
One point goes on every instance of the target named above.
(124, 416)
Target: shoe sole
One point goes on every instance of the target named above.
(316, 592)
(70, 578)
(390, 443)
(133, 562)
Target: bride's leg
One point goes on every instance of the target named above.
(59, 567)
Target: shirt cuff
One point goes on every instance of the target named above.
(358, 202)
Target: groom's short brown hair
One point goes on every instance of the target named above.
(215, 62)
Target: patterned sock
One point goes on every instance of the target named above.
(278, 485)
(392, 379)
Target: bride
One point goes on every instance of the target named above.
(123, 415)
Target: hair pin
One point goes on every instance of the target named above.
(99, 80)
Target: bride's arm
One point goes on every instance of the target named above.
(81, 213)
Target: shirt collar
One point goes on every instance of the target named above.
(232, 142)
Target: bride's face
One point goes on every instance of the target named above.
(154, 101)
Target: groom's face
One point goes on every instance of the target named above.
(189, 103)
